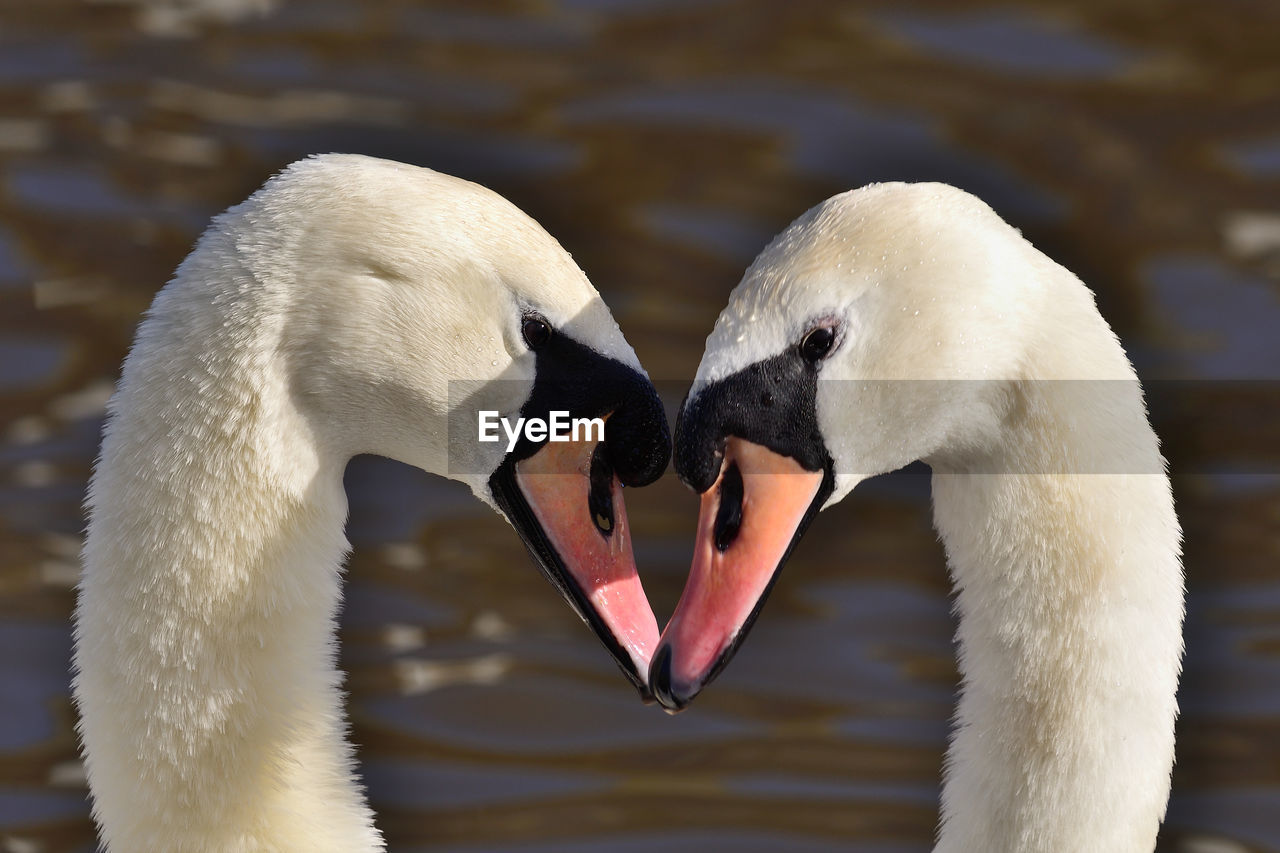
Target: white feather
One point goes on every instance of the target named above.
(964, 346)
(324, 317)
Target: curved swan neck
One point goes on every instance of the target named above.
(205, 649)
(1069, 598)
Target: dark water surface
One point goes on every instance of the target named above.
(662, 143)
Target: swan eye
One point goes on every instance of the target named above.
(817, 343)
(536, 331)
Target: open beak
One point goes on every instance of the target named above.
(750, 519)
(566, 503)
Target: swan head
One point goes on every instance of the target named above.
(412, 303)
(837, 359)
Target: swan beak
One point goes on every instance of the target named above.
(749, 520)
(575, 499)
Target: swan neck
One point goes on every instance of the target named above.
(205, 671)
(1069, 597)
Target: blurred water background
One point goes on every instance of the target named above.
(662, 142)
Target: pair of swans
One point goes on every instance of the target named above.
(325, 317)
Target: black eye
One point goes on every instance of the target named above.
(536, 331)
(817, 343)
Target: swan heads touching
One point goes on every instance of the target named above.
(810, 383)
(355, 305)
(414, 280)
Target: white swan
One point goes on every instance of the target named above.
(902, 322)
(322, 318)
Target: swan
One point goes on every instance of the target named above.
(351, 305)
(903, 322)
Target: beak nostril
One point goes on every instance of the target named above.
(600, 497)
(729, 514)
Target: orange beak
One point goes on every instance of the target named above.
(749, 520)
(578, 532)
